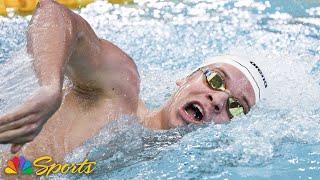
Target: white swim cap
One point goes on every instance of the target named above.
(248, 67)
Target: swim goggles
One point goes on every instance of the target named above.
(216, 82)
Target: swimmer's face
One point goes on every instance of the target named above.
(196, 102)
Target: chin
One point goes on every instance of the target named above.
(173, 118)
(173, 111)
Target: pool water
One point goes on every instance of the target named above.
(278, 139)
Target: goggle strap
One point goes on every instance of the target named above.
(207, 72)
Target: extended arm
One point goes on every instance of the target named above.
(61, 42)
(51, 39)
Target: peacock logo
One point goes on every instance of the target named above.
(16, 163)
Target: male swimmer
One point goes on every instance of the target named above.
(106, 84)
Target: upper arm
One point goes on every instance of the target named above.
(100, 66)
(109, 71)
(69, 46)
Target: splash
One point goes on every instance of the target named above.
(279, 137)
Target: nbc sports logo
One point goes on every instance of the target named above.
(44, 166)
(16, 163)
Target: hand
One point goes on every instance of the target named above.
(24, 123)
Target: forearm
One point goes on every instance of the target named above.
(55, 35)
(51, 39)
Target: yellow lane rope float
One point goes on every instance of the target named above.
(74, 3)
(120, 1)
(3, 11)
(26, 7)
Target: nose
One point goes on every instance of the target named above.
(218, 100)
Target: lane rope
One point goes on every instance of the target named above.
(26, 7)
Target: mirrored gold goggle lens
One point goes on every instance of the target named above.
(216, 81)
(235, 108)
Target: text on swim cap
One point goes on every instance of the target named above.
(262, 76)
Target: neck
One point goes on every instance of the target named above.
(154, 120)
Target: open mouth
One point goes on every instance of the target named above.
(194, 110)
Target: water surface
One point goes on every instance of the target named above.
(278, 139)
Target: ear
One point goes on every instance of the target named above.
(180, 82)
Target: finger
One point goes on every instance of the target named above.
(16, 148)
(13, 134)
(18, 113)
(23, 140)
(18, 123)
(27, 138)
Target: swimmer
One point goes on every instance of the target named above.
(106, 85)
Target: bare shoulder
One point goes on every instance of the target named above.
(118, 57)
(122, 69)
(108, 71)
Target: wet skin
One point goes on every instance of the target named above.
(105, 85)
(194, 89)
